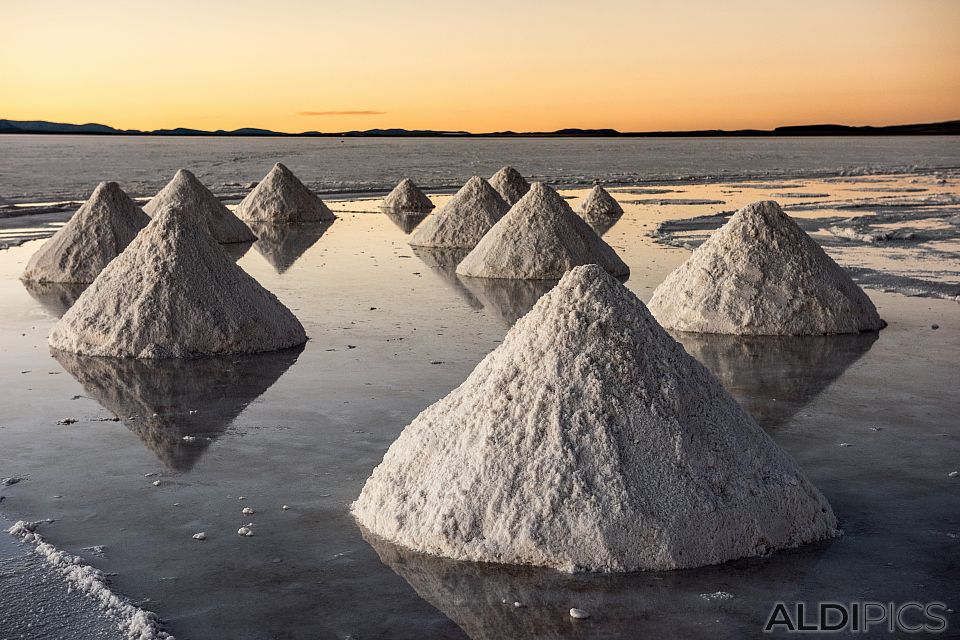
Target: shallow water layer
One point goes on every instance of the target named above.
(41, 168)
(392, 330)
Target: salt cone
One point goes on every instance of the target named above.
(599, 202)
(281, 198)
(510, 185)
(174, 293)
(464, 219)
(760, 274)
(406, 196)
(187, 191)
(541, 238)
(96, 234)
(590, 440)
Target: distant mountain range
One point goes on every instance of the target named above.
(951, 127)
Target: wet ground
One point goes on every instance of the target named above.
(392, 330)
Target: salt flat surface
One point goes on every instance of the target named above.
(392, 332)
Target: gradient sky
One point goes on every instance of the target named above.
(298, 65)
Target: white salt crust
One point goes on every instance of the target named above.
(590, 440)
(461, 222)
(510, 185)
(406, 196)
(133, 622)
(540, 238)
(174, 293)
(281, 198)
(96, 234)
(187, 191)
(761, 274)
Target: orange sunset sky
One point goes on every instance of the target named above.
(489, 65)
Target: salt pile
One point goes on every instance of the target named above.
(406, 196)
(464, 219)
(510, 184)
(599, 202)
(590, 440)
(174, 293)
(541, 238)
(281, 198)
(188, 192)
(96, 234)
(760, 274)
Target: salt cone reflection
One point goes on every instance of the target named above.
(443, 263)
(773, 377)
(55, 297)
(480, 597)
(283, 244)
(165, 400)
(507, 300)
(600, 223)
(236, 250)
(406, 221)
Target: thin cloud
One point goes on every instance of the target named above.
(341, 113)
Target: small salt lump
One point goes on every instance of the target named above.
(579, 614)
(245, 531)
(200, 536)
(247, 511)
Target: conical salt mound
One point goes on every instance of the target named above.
(281, 198)
(760, 274)
(590, 440)
(541, 238)
(406, 196)
(174, 293)
(461, 222)
(510, 185)
(186, 190)
(96, 234)
(599, 202)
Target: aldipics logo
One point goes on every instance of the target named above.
(858, 617)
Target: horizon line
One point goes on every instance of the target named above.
(9, 126)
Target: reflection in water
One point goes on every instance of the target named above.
(236, 250)
(509, 299)
(162, 401)
(283, 244)
(55, 297)
(600, 223)
(480, 597)
(443, 263)
(406, 220)
(773, 377)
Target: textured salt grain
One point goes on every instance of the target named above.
(96, 234)
(174, 293)
(406, 196)
(541, 238)
(134, 623)
(599, 202)
(281, 198)
(760, 274)
(510, 185)
(461, 222)
(590, 440)
(186, 191)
